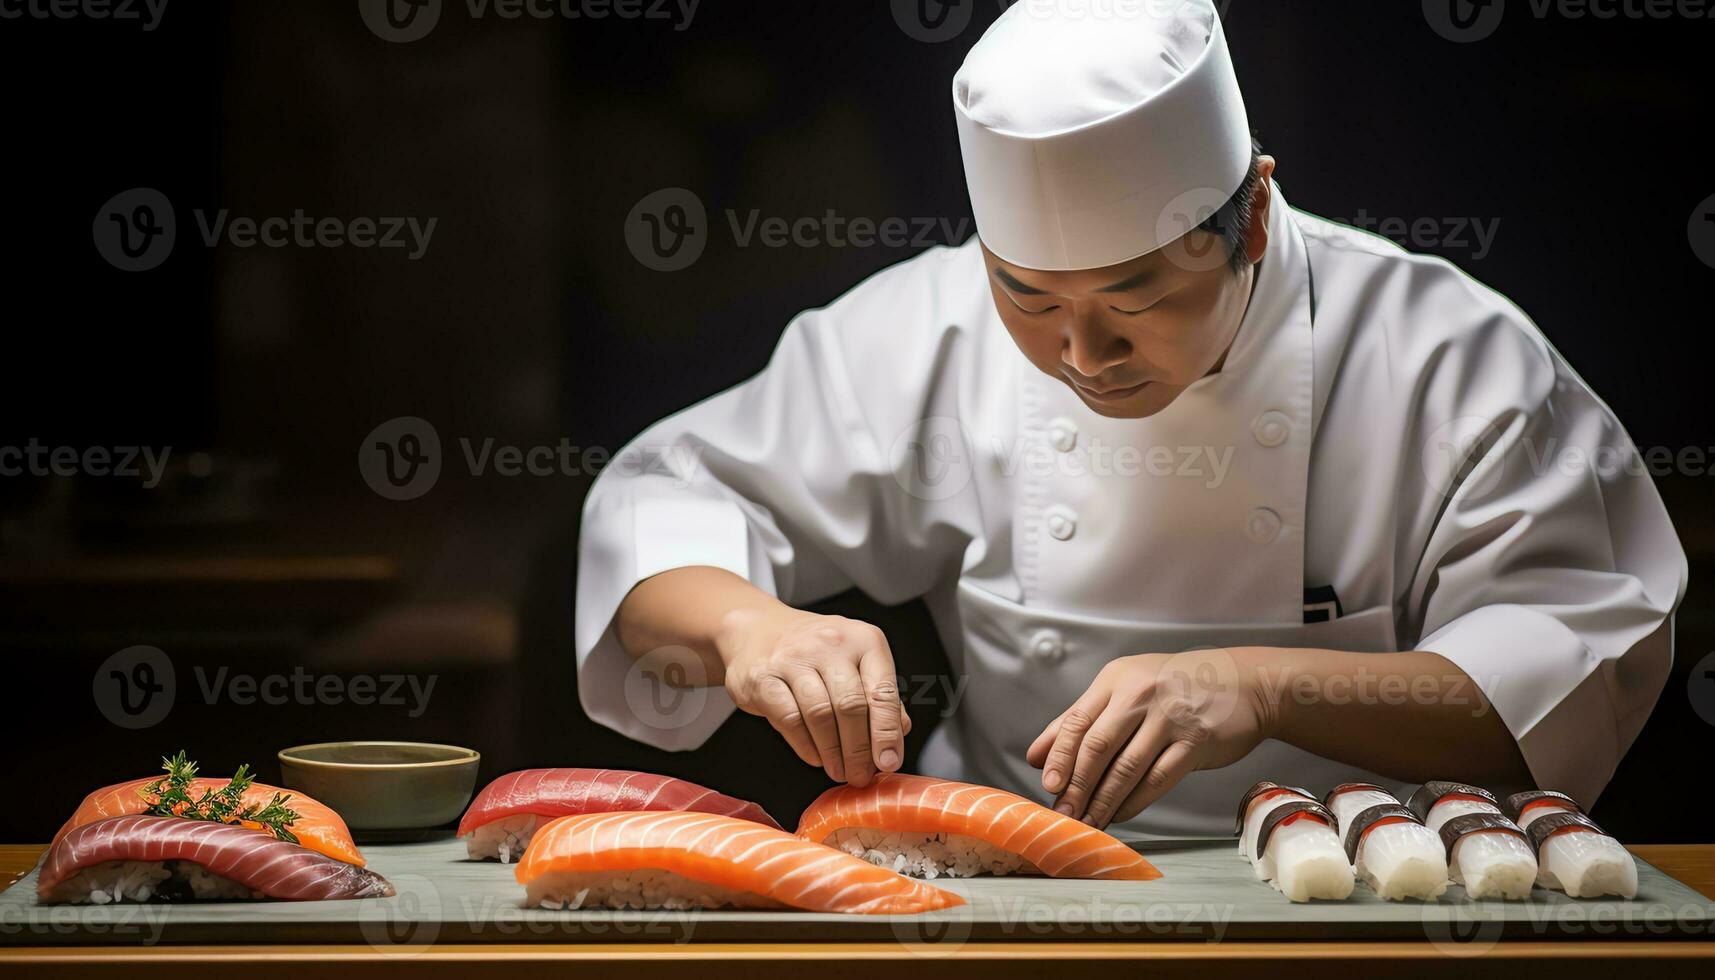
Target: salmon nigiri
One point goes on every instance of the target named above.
(684, 859)
(507, 811)
(932, 827)
(317, 827)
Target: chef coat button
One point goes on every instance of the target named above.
(1272, 428)
(1062, 523)
(1047, 646)
(1063, 435)
(1263, 526)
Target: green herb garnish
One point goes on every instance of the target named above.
(170, 796)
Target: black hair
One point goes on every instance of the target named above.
(1233, 221)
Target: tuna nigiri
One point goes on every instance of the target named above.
(503, 816)
(136, 858)
(317, 827)
(687, 859)
(931, 827)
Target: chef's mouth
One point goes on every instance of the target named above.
(1110, 394)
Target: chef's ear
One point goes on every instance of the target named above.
(1262, 198)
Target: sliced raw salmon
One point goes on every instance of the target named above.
(681, 859)
(906, 810)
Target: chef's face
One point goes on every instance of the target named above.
(1130, 338)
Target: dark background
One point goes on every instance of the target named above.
(528, 321)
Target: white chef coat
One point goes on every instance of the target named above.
(1391, 448)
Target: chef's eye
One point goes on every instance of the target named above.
(1125, 312)
(1025, 309)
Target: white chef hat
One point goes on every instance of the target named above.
(1096, 131)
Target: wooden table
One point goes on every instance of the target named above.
(1692, 864)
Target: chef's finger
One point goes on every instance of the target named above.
(818, 711)
(1127, 770)
(1073, 724)
(774, 701)
(1104, 739)
(1174, 763)
(888, 721)
(851, 717)
(1037, 754)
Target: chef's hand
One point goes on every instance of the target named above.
(1143, 725)
(826, 683)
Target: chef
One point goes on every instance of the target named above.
(1200, 489)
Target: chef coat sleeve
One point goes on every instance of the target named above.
(1551, 569)
(784, 481)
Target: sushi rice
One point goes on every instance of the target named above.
(643, 888)
(504, 839)
(140, 881)
(928, 856)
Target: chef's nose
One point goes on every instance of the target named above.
(1091, 350)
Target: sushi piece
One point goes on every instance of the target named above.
(502, 818)
(687, 859)
(1439, 801)
(928, 828)
(1394, 854)
(1489, 855)
(317, 827)
(1290, 841)
(1522, 808)
(1573, 854)
(137, 858)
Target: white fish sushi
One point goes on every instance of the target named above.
(1290, 841)
(1573, 854)
(1389, 847)
(1439, 801)
(1489, 855)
